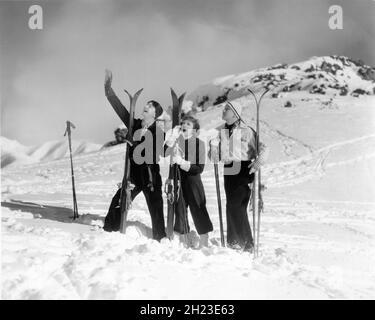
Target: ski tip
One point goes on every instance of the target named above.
(174, 97)
(135, 95)
(181, 98)
(173, 93)
(253, 94)
(127, 92)
(138, 92)
(264, 93)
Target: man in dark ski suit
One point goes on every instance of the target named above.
(144, 175)
(236, 147)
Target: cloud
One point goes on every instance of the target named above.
(57, 74)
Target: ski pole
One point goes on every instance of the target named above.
(218, 195)
(70, 125)
(219, 204)
(180, 203)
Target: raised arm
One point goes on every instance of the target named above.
(114, 100)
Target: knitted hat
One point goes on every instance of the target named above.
(236, 107)
(158, 109)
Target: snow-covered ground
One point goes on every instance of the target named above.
(317, 234)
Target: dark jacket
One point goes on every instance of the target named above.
(192, 150)
(143, 168)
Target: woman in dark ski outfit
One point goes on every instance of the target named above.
(189, 154)
(145, 176)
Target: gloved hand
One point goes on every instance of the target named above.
(254, 165)
(260, 160)
(172, 136)
(131, 186)
(215, 142)
(177, 159)
(184, 164)
(213, 152)
(107, 78)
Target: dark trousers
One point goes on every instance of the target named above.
(193, 198)
(155, 206)
(238, 193)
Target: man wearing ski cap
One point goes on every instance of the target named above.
(144, 175)
(235, 146)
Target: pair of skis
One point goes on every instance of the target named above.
(173, 188)
(126, 186)
(257, 200)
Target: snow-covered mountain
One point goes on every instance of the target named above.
(13, 153)
(331, 75)
(317, 237)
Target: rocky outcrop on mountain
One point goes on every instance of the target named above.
(327, 75)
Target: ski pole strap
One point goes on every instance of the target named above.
(69, 125)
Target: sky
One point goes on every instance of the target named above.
(56, 74)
